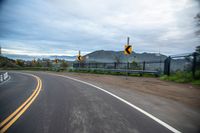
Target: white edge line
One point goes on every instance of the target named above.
(128, 103)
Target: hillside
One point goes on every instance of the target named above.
(98, 56)
(6, 62)
(118, 56)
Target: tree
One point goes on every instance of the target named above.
(6, 62)
(19, 62)
(48, 63)
(135, 65)
(38, 63)
(64, 64)
(198, 49)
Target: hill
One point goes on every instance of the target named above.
(6, 62)
(118, 56)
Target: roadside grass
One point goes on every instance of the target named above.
(183, 77)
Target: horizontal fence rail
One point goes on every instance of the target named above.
(123, 71)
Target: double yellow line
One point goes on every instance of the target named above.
(5, 124)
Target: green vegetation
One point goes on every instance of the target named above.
(135, 65)
(183, 77)
(35, 65)
(6, 62)
(64, 64)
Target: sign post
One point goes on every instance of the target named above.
(127, 51)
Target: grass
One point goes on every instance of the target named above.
(196, 82)
(183, 77)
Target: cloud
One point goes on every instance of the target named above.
(43, 27)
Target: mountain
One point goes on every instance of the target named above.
(118, 56)
(98, 56)
(28, 57)
(68, 58)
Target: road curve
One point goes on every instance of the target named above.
(68, 106)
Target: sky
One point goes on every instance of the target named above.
(62, 27)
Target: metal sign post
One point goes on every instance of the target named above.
(127, 51)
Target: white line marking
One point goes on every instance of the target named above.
(128, 103)
(9, 77)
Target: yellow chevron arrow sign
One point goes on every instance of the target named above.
(128, 49)
(79, 57)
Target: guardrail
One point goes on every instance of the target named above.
(156, 73)
(3, 76)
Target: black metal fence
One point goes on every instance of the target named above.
(185, 62)
(150, 65)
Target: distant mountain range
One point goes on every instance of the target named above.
(118, 56)
(99, 56)
(28, 57)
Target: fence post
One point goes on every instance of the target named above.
(115, 65)
(143, 65)
(127, 65)
(194, 64)
(167, 65)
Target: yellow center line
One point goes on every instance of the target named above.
(20, 110)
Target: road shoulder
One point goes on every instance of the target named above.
(163, 100)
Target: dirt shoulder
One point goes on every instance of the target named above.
(184, 93)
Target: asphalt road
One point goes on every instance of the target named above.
(67, 106)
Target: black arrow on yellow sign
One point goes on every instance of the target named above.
(128, 49)
(56, 61)
(79, 58)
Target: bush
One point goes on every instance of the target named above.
(181, 77)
